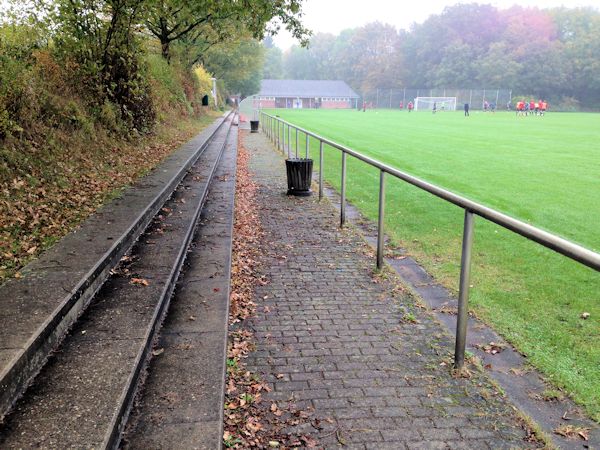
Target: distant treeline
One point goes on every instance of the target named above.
(550, 53)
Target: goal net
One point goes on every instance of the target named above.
(441, 103)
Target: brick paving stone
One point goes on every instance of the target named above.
(341, 342)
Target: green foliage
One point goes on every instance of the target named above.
(204, 83)
(168, 86)
(17, 93)
(239, 64)
(273, 66)
(207, 22)
(104, 57)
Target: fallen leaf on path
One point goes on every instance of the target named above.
(140, 281)
(573, 432)
(492, 348)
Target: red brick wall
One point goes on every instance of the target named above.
(264, 103)
(306, 103)
(336, 105)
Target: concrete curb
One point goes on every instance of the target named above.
(36, 312)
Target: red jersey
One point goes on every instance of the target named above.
(531, 105)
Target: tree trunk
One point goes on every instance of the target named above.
(164, 45)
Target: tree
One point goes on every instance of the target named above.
(273, 67)
(456, 69)
(369, 57)
(173, 20)
(299, 64)
(239, 64)
(98, 40)
(498, 67)
(578, 31)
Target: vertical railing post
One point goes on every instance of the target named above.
(296, 143)
(306, 146)
(289, 141)
(320, 170)
(380, 220)
(343, 199)
(463, 291)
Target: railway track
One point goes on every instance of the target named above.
(79, 329)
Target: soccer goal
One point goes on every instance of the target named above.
(441, 103)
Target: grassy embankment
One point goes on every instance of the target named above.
(67, 156)
(543, 170)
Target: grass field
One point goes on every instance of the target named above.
(543, 170)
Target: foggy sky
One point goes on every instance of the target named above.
(333, 16)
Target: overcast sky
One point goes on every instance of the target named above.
(332, 16)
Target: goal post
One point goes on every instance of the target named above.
(441, 103)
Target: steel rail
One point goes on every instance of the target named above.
(549, 240)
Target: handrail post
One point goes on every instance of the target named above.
(306, 145)
(289, 141)
(320, 170)
(343, 199)
(296, 143)
(381, 219)
(463, 291)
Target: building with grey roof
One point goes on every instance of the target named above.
(331, 94)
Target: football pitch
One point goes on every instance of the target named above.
(542, 170)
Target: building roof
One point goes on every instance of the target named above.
(306, 88)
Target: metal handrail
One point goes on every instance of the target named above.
(560, 245)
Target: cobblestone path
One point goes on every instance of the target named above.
(374, 367)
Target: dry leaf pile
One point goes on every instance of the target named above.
(46, 190)
(250, 420)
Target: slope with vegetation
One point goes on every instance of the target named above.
(94, 93)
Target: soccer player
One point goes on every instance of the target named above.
(466, 109)
(531, 106)
(520, 107)
(410, 106)
(401, 104)
(434, 107)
